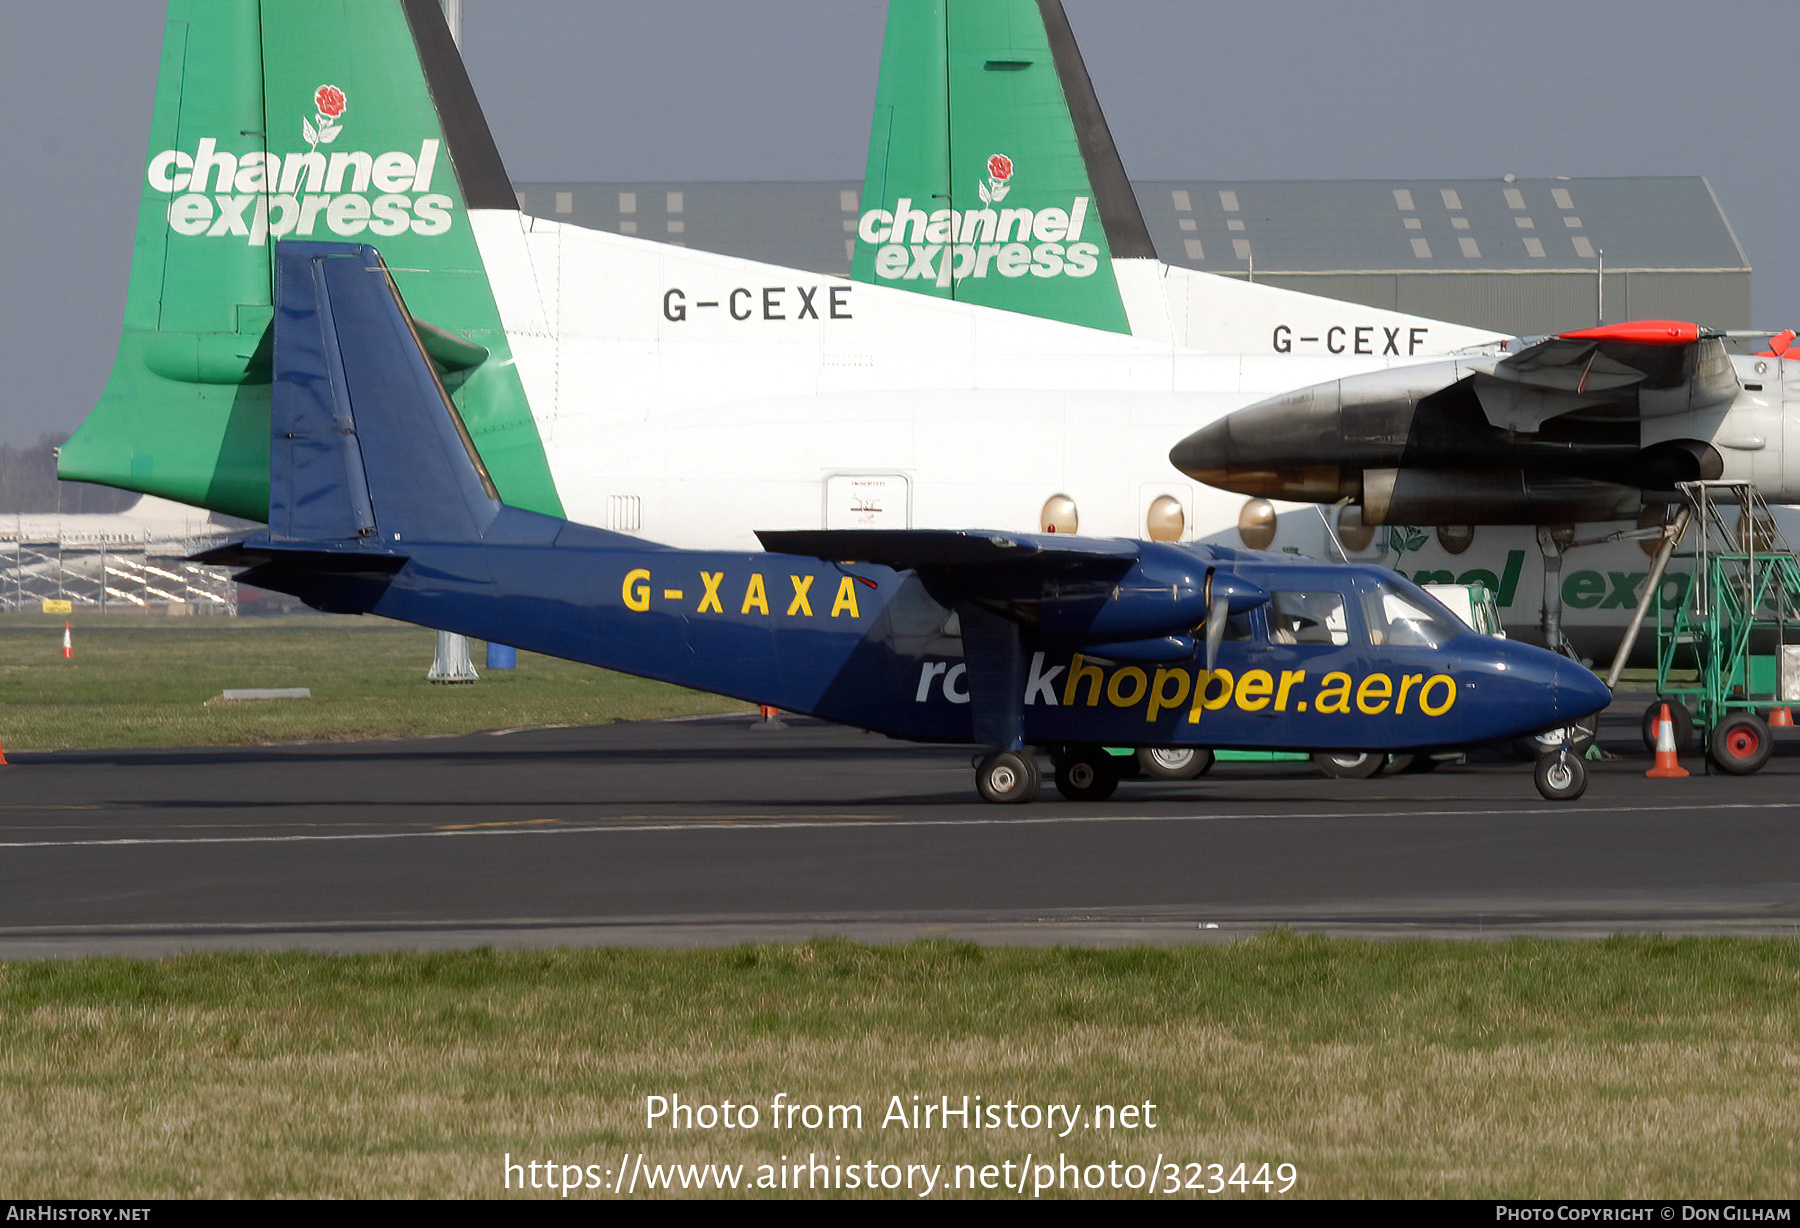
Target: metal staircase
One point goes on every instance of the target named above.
(1732, 637)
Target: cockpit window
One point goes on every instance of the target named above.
(1402, 620)
(1308, 618)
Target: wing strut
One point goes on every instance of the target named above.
(996, 663)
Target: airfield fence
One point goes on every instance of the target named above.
(114, 574)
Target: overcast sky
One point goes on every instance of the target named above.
(782, 89)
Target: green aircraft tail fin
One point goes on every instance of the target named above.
(992, 178)
(298, 118)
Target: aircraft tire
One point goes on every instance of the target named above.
(1007, 776)
(1740, 743)
(1172, 763)
(1561, 776)
(1393, 765)
(1086, 774)
(1349, 764)
(1679, 716)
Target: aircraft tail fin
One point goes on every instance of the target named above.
(291, 119)
(344, 341)
(992, 176)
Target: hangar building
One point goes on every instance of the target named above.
(1520, 256)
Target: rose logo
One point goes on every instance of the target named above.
(329, 102)
(999, 169)
(1404, 537)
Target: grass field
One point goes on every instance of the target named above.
(141, 681)
(1640, 1067)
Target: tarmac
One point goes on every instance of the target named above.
(707, 832)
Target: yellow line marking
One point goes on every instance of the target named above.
(511, 823)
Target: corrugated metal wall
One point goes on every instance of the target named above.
(1539, 302)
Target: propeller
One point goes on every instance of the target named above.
(1218, 609)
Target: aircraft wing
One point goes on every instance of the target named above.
(1087, 589)
(913, 549)
(1643, 369)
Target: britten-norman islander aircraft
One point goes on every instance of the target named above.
(1009, 351)
(380, 503)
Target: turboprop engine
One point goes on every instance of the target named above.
(1147, 613)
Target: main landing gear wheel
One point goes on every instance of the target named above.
(1007, 776)
(1349, 764)
(1086, 774)
(1679, 716)
(1393, 765)
(1561, 776)
(1172, 763)
(1740, 743)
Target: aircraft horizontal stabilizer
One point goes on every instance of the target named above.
(345, 579)
(449, 351)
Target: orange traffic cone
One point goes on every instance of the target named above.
(1781, 716)
(68, 644)
(1668, 767)
(769, 718)
(3, 762)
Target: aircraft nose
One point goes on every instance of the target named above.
(1313, 445)
(1287, 447)
(1580, 691)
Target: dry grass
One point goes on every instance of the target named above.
(139, 681)
(1625, 1068)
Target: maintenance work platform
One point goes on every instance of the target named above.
(1728, 649)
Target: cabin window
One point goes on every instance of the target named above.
(1308, 618)
(1400, 620)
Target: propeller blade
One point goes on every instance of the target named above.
(1216, 615)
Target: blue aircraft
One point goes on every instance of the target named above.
(379, 503)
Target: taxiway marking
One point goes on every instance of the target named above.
(741, 823)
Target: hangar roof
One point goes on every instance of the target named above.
(809, 226)
(1460, 225)
(1222, 226)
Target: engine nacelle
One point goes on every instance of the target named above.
(1487, 496)
(1166, 592)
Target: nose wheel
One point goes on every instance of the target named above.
(1561, 776)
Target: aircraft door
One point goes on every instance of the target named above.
(1309, 631)
(1758, 428)
(1781, 387)
(868, 501)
